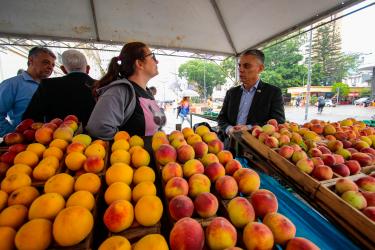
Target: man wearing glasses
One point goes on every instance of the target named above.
(254, 101)
(16, 92)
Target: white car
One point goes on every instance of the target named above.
(361, 101)
(329, 103)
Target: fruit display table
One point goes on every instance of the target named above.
(182, 190)
(309, 222)
(209, 116)
(319, 194)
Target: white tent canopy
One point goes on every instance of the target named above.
(225, 27)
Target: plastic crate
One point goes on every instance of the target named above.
(370, 123)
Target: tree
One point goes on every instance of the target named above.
(341, 88)
(229, 66)
(365, 92)
(330, 65)
(283, 64)
(198, 72)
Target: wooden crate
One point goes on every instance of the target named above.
(3, 149)
(351, 219)
(136, 231)
(320, 195)
(305, 181)
(86, 244)
(368, 169)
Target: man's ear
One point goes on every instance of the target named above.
(261, 68)
(29, 60)
(62, 67)
(87, 69)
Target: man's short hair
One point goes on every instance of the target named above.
(73, 60)
(255, 52)
(37, 50)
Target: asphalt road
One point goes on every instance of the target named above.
(294, 114)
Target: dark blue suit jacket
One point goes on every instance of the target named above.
(267, 104)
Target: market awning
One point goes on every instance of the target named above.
(212, 26)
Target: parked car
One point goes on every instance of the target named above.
(361, 100)
(368, 102)
(329, 103)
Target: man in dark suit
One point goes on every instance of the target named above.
(253, 102)
(68, 95)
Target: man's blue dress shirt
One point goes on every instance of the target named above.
(245, 104)
(15, 95)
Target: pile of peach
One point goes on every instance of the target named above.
(55, 135)
(41, 217)
(131, 195)
(39, 161)
(85, 156)
(192, 161)
(321, 148)
(60, 215)
(360, 194)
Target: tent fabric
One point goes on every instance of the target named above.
(309, 223)
(210, 26)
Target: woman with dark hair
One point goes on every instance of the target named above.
(124, 101)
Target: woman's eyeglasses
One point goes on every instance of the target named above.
(152, 54)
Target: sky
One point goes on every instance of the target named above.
(357, 36)
(358, 29)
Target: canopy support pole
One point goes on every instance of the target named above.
(92, 5)
(223, 25)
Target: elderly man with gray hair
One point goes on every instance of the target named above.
(68, 95)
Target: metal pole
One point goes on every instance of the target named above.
(204, 80)
(308, 78)
(236, 59)
(373, 83)
(338, 93)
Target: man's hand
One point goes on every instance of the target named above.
(238, 128)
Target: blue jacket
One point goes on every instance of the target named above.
(15, 95)
(184, 110)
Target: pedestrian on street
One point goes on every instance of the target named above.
(321, 104)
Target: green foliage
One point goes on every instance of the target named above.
(365, 92)
(330, 65)
(229, 66)
(343, 89)
(283, 66)
(195, 71)
(313, 99)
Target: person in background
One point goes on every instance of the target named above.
(183, 110)
(125, 102)
(68, 95)
(16, 92)
(209, 104)
(298, 100)
(321, 104)
(253, 102)
(153, 90)
(19, 72)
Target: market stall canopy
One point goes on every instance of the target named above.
(212, 26)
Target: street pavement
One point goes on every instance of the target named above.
(293, 114)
